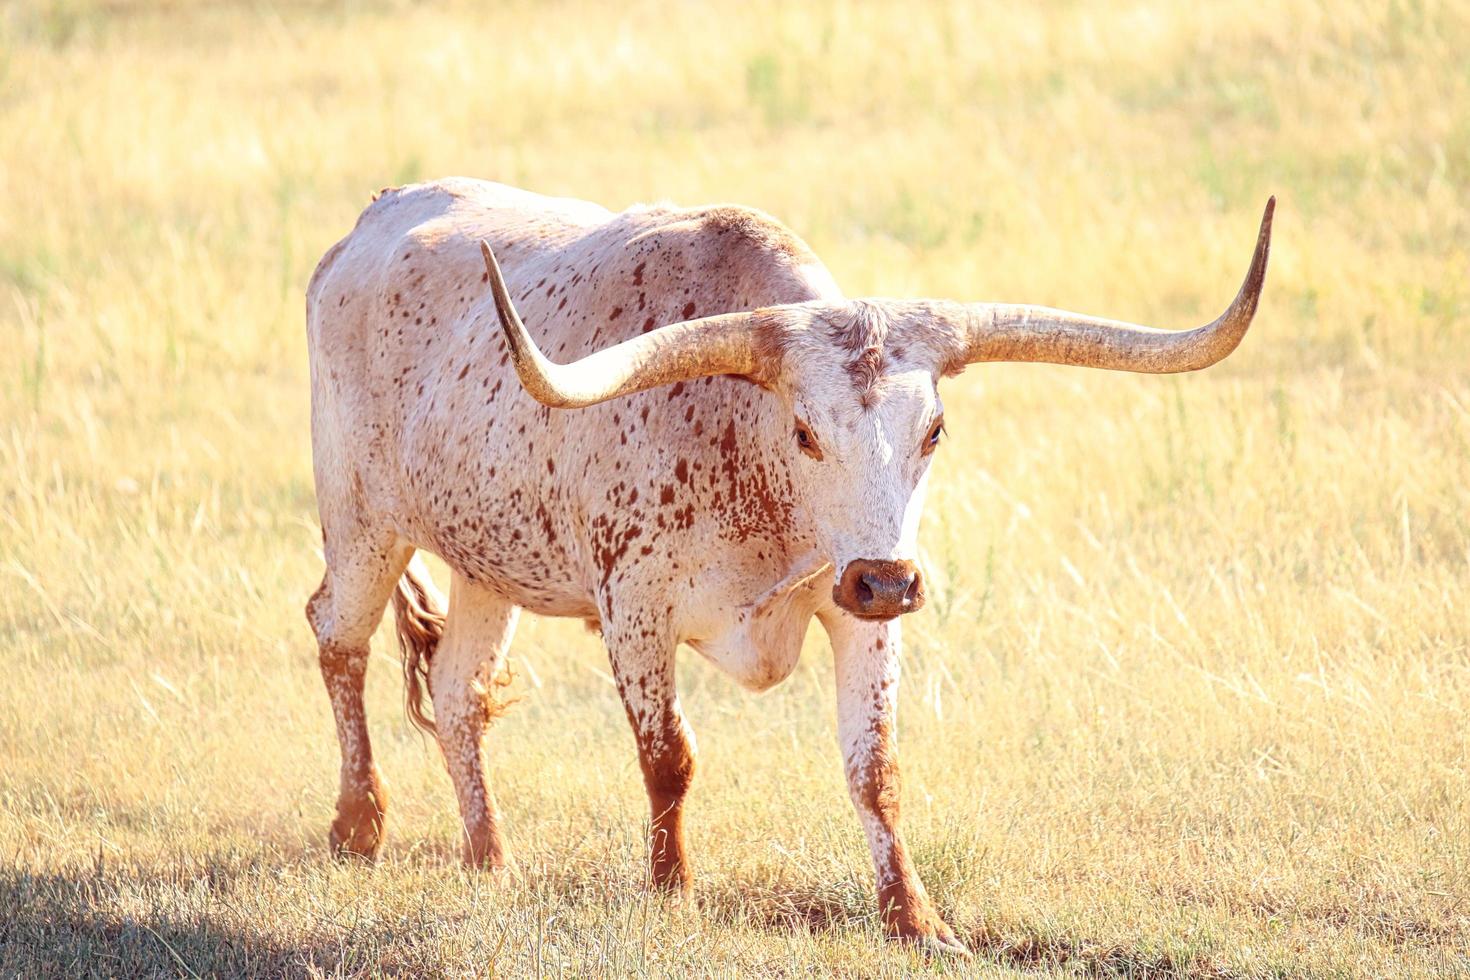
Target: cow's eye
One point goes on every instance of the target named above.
(806, 441)
(931, 441)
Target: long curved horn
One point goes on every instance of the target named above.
(723, 344)
(1003, 332)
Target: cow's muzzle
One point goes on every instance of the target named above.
(879, 589)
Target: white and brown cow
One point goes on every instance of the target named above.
(721, 447)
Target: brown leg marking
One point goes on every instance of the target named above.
(668, 770)
(866, 662)
(362, 800)
(904, 904)
(641, 655)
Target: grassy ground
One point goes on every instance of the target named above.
(1192, 694)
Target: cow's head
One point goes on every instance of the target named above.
(859, 382)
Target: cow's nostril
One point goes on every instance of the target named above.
(879, 589)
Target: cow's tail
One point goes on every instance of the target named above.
(420, 625)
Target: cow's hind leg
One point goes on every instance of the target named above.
(464, 680)
(362, 571)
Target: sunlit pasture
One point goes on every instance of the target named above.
(1191, 694)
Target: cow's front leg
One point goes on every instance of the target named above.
(866, 658)
(643, 667)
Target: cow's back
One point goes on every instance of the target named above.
(413, 257)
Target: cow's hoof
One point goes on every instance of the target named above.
(672, 895)
(943, 945)
(485, 851)
(925, 929)
(357, 830)
(356, 841)
(675, 890)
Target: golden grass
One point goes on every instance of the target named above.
(1192, 694)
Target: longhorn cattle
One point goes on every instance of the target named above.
(693, 437)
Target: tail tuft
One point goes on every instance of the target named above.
(420, 626)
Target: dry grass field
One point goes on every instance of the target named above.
(1190, 698)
